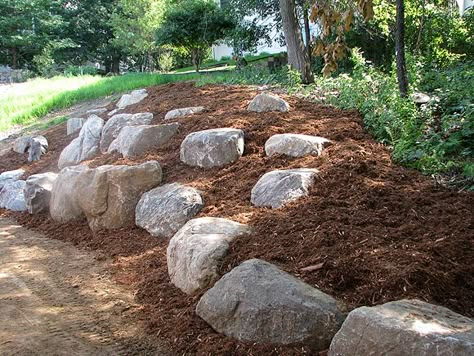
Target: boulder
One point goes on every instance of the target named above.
(212, 148)
(196, 250)
(135, 140)
(10, 176)
(25, 143)
(164, 210)
(277, 188)
(38, 192)
(133, 98)
(85, 146)
(420, 98)
(266, 102)
(183, 112)
(257, 302)
(116, 123)
(21, 144)
(108, 195)
(404, 327)
(295, 145)
(98, 111)
(12, 197)
(74, 124)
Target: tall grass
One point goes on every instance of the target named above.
(26, 102)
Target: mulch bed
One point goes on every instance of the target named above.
(379, 232)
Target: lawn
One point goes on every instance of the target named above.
(26, 102)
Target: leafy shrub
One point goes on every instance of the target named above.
(74, 71)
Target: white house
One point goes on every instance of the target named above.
(464, 5)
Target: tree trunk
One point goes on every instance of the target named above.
(115, 64)
(15, 58)
(196, 58)
(297, 55)
(400, 50)
(307, 32)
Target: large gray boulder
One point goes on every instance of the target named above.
(34, 145)
(108, 195)
(258, 302)
(21, 144)
(85, 146)
(267, 102)
(195, 251)
(133, 98)
(404, 327)
(74, 124)
(12, 197)
(63, 205)
(212, 148)
(173, 114)
(38, 192)
(295, 145)
(277, 188)
(116, 123)
(164, 210)
(10, 176)
(135, 140)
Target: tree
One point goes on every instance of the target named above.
(298, 56)
(194, 25)
(400, 50)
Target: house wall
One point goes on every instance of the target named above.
(464, 5)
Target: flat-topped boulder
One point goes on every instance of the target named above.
(404, 327)
(133, 98)
(257, 302)
(74, 124)
(196, 250)
(136, 140)
(267, 102)
(85, 146)
(164, 210)
(10, 176)
(108, 195)
(212, 148)
(173, 114)
(295, 145)
(63, 205)
(38, 192)
(274, 189)
(12, 197)
(117, 122)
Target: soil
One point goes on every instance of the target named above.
(55, 299)
(379, 232)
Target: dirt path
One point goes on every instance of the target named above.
(56, 299)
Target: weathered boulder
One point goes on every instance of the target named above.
(277, 188)
(85, 146)
(108, 195)
(98, 111)
(164, 210)
(295, 145)
(116, 123)
(10, 176)
(420, 98)
(21, 144)
(34, 145)
(212, 148)
(38, 192)
(266, 102)
(63, 205)
(12, 197)
(133, 98)
(74, 124)
(135, 140)
(183, 112)
(196, 250)
(258, 302)
(404, 327)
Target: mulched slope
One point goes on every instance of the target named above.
(381, 232)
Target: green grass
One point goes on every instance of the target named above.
(34, 99)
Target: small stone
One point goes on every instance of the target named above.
(279, 187)
(404, 327)
(164, 210)
(266, 102)
(183, 112)
(136, 140)
(74, 124)
(212, 148)
(195, 251)
(295, 145)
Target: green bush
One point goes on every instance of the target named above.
(74, 71)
